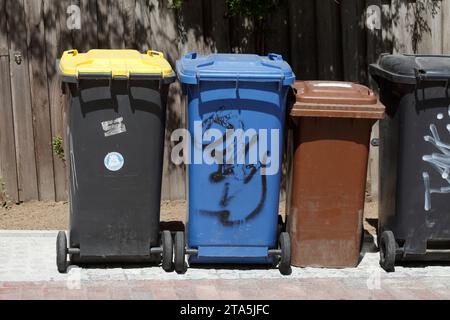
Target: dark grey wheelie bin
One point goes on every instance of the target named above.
(114, 153)
(414, 208)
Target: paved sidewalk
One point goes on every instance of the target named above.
(28, 271)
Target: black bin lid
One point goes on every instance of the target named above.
(411, 69)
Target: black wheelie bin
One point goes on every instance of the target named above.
(114, 153)
(414, 208)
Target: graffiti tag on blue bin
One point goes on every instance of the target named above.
(240, 156)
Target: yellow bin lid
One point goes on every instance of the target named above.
(115, 64)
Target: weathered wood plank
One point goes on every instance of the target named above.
(329, 53)
(8, 168)
(34, 14)
(302, 21)
(102, 24)
(242, 35)
(61, 105)
(143, 37)
(53, 13)
(429, 25)
(191, 27)
(386, 28)
(374, 32)
(174, 177)
(403, 20)
(216, 26)
(115, 24)
(21, 99)
(163, 23)
(353, 41)
(129, 24)
(276, 37)
(65, 41)
(86, 38)
(446, 27)
(76, 32)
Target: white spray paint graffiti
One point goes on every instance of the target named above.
(439, 161)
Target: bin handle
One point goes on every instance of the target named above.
(275, 56)
(72, 52)
(239, 78)
(191, 55)
(153, 53)
(236, 87)
(422, 75)
(217, 76)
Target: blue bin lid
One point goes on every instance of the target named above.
(232, 67)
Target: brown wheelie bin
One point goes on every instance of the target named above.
(332, 126)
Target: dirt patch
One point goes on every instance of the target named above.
(36, 215)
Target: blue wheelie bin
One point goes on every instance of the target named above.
(236, 117)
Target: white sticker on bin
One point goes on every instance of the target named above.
(333, 85)
(114, 161)
(113, 127)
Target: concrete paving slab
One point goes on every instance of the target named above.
(28, 257)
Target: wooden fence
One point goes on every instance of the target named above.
(322, 39)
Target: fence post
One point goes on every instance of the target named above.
(8, 168)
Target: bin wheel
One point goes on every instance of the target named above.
(387, 251)
(167, 251)
(285, 260)
(180, 263)
(61, 252)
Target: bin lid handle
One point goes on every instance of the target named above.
(230, 76)
(423, 75)
(153, 53)
(275, 56)
(238, 77)
(191, 55)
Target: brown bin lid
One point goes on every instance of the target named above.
(335, 99)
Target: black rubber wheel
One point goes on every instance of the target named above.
(180, 262)
(285, 260)
(167, 254)
(388, 247)
(61, 252)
